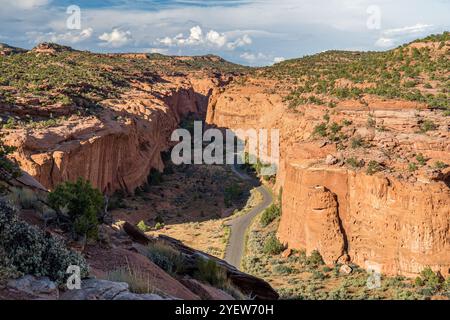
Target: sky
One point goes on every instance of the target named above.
(249, 32)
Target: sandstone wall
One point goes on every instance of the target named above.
(400, 227)
(114, 150)
(397, 222)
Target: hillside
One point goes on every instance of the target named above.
(415, 72)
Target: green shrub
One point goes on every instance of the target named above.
(440, 165)
(78, 205)
(352, 162)
(159, 225)
(412, 167)
(273, 246)
(232, 193)
(211, 272)
(427, 125)
(357, 142)
(29, 250)
(346, 122)
(421, 159)
(418, 282)
(10, 123)
(315, 259)
(340, 293)
(335, 128)
(320, 130)
(317, 275)
(6, 164)
(373, 167)
(269, 215)
(283, 270)
(430, 278)
(142, 226)
(166, 257)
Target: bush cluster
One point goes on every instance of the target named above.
(28, 250)
(269, 215)
(79, 207)
(273, 245)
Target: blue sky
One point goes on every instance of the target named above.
(251, 32)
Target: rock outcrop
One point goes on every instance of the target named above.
(37, 288)
(93, 289)
(116, 149)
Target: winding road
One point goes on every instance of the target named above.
(239, 225)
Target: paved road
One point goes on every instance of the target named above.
(239, 225)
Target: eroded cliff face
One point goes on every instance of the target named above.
(398, 226)
(116, 148)
(394, 220)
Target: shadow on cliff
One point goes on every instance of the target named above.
(191, 192)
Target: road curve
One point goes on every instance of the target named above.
(239, 225)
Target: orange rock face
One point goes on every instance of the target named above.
(394, 220)
(401, 227)
(116, 149)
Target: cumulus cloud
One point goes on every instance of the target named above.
(385, 42)
(391, 37)
(157, 50)
(417, 28)
(212, 38)
(240, 42)
(279, 59)
(24, 4)
(116, 38)
(70, 37)
(260, 58)
(253, 57)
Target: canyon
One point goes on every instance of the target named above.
(394, 217)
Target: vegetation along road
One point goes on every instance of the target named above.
(239, 225)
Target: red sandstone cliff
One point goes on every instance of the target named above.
(117, 148)
(393, 219)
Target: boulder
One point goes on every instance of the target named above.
(94, 289)
(40, 288)
(287, 253)
(345, 269)
(331, 160)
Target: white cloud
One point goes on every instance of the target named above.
(216, 38)
(157, 50)
(395, 36)
(240, 42)
(278, 59)
(385, 42)
(68, 37)
(253, 57)
(24, 4)
(116, 38)
(212, 38)
(417, 28)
